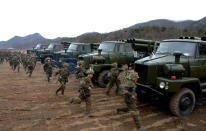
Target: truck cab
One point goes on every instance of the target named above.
(176, 73)
(121, 52)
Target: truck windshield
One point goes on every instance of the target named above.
(51, 46)
(187, 48)
(73, 47)
(38, 46)
(107, 46)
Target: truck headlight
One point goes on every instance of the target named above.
(162, 85)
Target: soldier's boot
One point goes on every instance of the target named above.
(88, 115)
(14, 68)
(59, 89)
(107, 93)
(118, 110)
(117, 91)
(124, 109)
(62, 91)
(29, 74)
(18, 69)
(88, 107)
(135, 115)
(48, 78)
(63, 88)
(141, 129)
(57, 92)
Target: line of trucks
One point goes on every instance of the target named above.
(172, 71)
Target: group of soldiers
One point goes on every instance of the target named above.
(17, 58)
(125, 81)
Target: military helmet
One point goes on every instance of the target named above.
(48, 58)
(115, 64)
(133, 76)
(65, 64)
(90, 71)
(125, 67)
(80, 62)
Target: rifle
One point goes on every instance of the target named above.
(81, 90)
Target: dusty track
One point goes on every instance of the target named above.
(30, 104)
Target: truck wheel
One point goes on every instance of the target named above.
(103, 79)
(183, 102)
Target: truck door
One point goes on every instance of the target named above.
(202, 61)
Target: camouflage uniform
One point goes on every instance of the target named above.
(122, 76)
(1, 60)
(113, 79)
(25, 59)
(84, 93)
(80, 71)
(16, 62)
(48, 69)
(30, 66)
(63, 75)
(129, 94)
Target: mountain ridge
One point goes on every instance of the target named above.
(155, 29)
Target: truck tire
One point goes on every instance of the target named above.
(103, 79)
(183, 102)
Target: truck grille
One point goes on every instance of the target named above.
(143, 72)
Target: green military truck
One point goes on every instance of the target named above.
(49, 52)
(71, 54)
(175, 73)
(122, 52)
(37, 48)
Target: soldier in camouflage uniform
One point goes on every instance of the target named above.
(113, 74)
(30, 66)
(129, 98)
(122, 76)
(16, 62)
(24, 61)
(63, 75)
(1, 60)
(48, 68)
(80, 70)
(85, 92)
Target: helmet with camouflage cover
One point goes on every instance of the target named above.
(80, 62)
(65, 64)
(90, 71)
(133, 76)
(114, 64)
(48, 58)
(125, 67)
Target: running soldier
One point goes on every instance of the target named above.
(48, 68)
(30, 66)
(122, 76)
(85, 92)
(16, 62)
(113, 74)
(63, 75)
(130, 99)
(80, 70)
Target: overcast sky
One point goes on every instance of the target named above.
(69, 18)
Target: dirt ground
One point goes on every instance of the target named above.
(31, 104)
